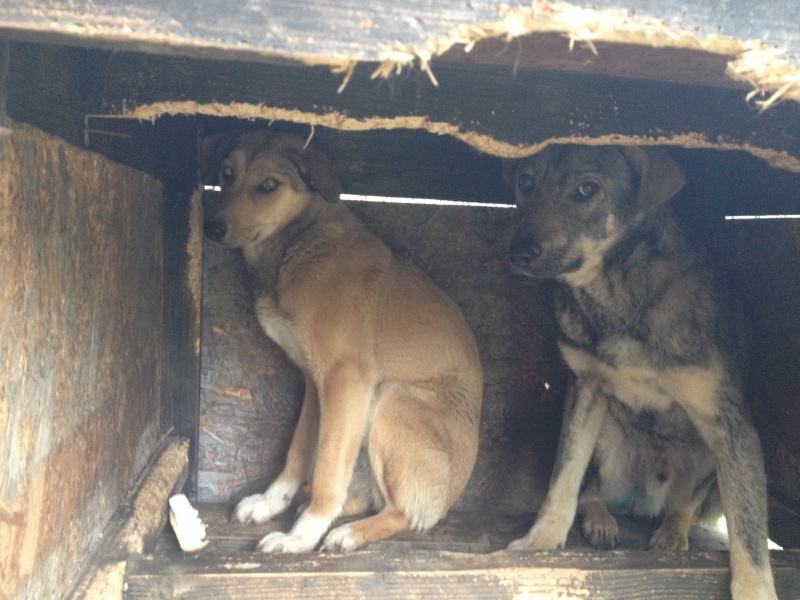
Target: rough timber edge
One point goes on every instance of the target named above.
(483, 143)
(752, 61)
(137, 524)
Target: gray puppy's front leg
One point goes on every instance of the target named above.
(743, 487)
(584, 410)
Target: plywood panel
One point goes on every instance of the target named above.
(80, 345)
(501, 111)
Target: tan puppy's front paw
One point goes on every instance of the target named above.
(285, 542)
(260, 508)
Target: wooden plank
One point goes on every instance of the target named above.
(137, 524)
(4, 52)
(80, 338)
(335, 30)
(42, 90)
(618, 575)
(175, 160)
(460, 531)
(492, 109)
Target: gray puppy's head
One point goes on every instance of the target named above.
(574, 202)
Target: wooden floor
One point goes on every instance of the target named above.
(463, 557)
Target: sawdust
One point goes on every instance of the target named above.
(752, 61)
(482, 142)
(108, 583)
(149, 512)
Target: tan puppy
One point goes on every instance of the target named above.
(393, 381)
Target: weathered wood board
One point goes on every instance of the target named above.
(81, 349)
(501, 111)
(460, 558)
(417, 32)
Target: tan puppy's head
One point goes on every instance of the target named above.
(267, 180)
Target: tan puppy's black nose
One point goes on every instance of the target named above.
(215, 230)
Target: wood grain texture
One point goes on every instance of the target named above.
(460, 558)
(335, 29)
(498, 111)
(80, 341)
(136, 526)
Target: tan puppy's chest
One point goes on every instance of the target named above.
(281, 330)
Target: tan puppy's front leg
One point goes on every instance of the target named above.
(260, 508)
(584, 410)
(345, 397)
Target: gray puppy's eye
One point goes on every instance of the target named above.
(586, 190)
(525, 183)
(268, 185)
(227, 174)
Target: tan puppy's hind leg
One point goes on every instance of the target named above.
(366, 531)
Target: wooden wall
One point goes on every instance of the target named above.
(80, 348)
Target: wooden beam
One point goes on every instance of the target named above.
(174, 157)
(617, 575)
(335, 30)
(496, 110)
(4, 50)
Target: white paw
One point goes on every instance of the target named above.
(341, 539)
(285, 542)
(540, 537)
(260, 508)
(304, 536)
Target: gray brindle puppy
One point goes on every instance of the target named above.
(655, 399)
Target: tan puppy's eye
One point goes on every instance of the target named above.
(226, 173)
(268, 185)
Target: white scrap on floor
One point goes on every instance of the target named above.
(189, 529)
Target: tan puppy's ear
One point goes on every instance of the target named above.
(660, 177)
(212, 150)
(316, 171)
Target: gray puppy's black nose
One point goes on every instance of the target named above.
(524, 251)
(215, 230)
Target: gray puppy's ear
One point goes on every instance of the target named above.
(660, 177)
(316, 171)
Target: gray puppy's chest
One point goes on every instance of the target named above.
(609, 354)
